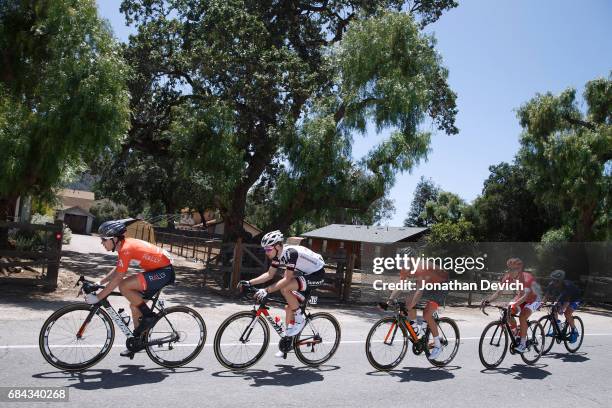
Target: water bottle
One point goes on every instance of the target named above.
(278, 321)
(124, 316)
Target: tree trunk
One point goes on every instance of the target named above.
(584, 228)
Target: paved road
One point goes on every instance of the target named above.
(347, 380)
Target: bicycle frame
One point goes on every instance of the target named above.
(558, 333)
(505, 326)
(263, 310)
(401, 318)
(105, 304)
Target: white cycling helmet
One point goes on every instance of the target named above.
(558, 274)
(272, 238)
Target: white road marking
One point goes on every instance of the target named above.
(33, 346)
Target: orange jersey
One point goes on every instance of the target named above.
(145, 254)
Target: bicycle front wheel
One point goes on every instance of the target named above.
(177, 337)
(535, 343)
(241, 340)
(76, 337)
(493, 344)
(386, 344)
(573, 347)
(449, 337)
(318, 340)
(549, 331)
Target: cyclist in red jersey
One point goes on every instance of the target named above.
(158, 272)
(525, 301)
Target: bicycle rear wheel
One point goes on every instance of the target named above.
(75, 337)
(535, 343)
(386, 344)
(547, 325)
(242, 339)
(573, 347)
(177, 337)
(449, 333)
(493, 344)
(319, 339)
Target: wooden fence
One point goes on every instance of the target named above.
(225, 264)
(40, 265)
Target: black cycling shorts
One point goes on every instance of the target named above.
(313, 280)
(153, 281)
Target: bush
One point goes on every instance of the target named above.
(106, 211)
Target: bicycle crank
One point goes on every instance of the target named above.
(285, 345)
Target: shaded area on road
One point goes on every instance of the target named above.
(286, 375)
(95, 379)
(421, 374)
(521, 372)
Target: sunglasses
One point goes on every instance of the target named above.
(105, 239)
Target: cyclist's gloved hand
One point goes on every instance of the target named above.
(383, 306)
(244, 284)
(260, 294)
(91, 298)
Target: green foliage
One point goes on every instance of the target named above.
(449, 231)
(562, 234)
(247, 97)
(507, 210)
(566, 153)
(426, 190)
(106, 211)
(62, 91)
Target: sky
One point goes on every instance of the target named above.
(499, 55)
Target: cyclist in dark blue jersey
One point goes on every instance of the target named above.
(568, 298)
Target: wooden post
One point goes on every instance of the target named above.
(53, 263)
(236, 264)
(348, 277)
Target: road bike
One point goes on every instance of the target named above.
(243, 338)
(498, 337)
(555, 333)
(387, 341)
(80, 335)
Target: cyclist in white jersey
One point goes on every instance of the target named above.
(303, 266)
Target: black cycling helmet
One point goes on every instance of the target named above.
(114, 228)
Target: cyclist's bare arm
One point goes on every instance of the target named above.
(494, 296)
(415, 298)
(404, 274)
(112, 284)
(109, 276)
(287, 278)
(264, 277)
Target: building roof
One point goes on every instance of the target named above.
(76, 198)
(365, 233)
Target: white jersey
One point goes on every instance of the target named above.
(302, 259)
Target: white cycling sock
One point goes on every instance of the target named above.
(437, 341)
(523, 341)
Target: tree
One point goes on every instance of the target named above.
(264, 83)
(507, 209)
(567, 154)
(426, 190)
(62, 92)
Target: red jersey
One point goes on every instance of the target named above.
(145, 254)
(528, 281)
